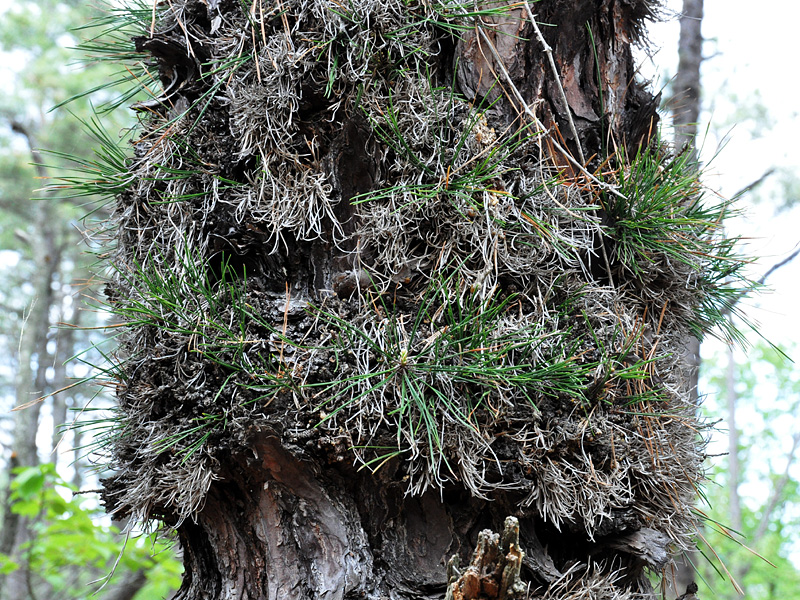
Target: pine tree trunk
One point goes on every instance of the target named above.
(293, 151)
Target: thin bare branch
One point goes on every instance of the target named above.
(557, 78)
(750, 186)
(779, 264)
(772, 503)
(566, 153)
(777, 491)
(20, 128)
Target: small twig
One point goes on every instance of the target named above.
(605, 259)
(255, 54)
(286, 309)
(108, 577)
(779, 264)
(754, 184)
(557, 77)
(153, 19)
(93, 491)
(542, 128)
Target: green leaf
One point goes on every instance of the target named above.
(7, 565)
(26, 508)
(29, 482)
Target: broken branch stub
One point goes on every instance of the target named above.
(494, 571)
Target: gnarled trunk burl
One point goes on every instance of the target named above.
(373, 260)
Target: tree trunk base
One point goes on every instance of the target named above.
(279, 527)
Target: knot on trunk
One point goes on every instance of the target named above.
(494, 569)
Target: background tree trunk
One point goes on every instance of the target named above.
(686, 100)
(686, 103)
(31, 375)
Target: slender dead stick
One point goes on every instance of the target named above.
(565, 152)
(557, 77)
(540, 125)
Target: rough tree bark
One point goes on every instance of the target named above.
(332, 215)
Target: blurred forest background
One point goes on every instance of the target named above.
(55, 541)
